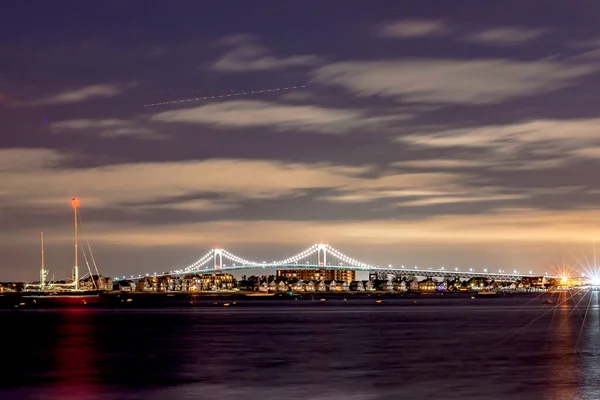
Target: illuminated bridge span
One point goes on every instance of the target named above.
(323, 256)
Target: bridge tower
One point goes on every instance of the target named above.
(217, 259)
(322, 259)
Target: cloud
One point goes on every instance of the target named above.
(490, 162)
(365, 196)
(406, 186)
(195, 205)
(28, 179)
(506, 35)
(23, 160)
(412, 29)
(300, 96)
(592, 152)
(254, 113)
(107, 128)
(450, 81)
(247, 54)
(566, 134)
(531, 145)
(432, 201)
(510, 226)
(591, 47)
(43, 179)
(439, 164)
(79, 95)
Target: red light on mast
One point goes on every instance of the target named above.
(74, 202)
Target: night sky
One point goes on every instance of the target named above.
(438, 133)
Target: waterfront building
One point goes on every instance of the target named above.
(194, 283)
(96, 282)
(428, 285)
(298, 286)
(143, 286)
(264, 287)
(282, 286)
(388, 286)
(369, 286)
(9, 287)
(357, 286)
(413, 284)
(317, 274)
(123, 286)
(272, 286)
(321, 287)
(310, 286)
(400, 286)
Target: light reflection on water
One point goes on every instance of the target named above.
(466, 349)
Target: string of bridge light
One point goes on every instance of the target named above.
(293, 259)
(346, 259)
(296, 259)
(201, 261)
(237, 259)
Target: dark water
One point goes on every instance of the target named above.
(504, 348)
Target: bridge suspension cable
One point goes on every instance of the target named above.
(201, 262)
(346, 259)
(305, 257)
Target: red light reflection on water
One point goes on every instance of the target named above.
(75, 356)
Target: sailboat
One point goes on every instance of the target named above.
(72, 290)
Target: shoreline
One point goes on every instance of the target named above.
(25, 300)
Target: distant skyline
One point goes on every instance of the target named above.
(432, 133)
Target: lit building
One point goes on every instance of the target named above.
(318, 274)
(428, 285)
(200, 283)
(96, 282)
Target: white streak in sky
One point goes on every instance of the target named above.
(224, 96)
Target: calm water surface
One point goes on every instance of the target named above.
(504, 348)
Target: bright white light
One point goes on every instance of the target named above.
(595, 280)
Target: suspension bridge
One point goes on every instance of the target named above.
(324, 256)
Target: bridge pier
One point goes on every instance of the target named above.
(322, 248)
(217, 259)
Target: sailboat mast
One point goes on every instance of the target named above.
(42, 272)
(76, 274)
